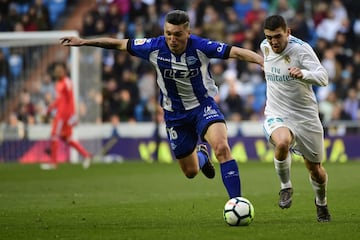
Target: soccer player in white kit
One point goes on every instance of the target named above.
(292, 121)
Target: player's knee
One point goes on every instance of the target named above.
(222, 151)
(283, 146)
(191, 173)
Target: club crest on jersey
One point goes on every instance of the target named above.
(287, 59)
(139, 41)
(191, 60)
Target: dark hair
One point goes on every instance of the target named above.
(275, 21)
(177, 17)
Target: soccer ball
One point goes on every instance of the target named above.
(238, 211)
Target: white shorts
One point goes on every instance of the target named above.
(308, 139)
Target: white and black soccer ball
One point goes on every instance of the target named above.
(238, 211)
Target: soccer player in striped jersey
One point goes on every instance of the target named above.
(181, 60)
(291, 114)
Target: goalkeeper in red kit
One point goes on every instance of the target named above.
(65, 118)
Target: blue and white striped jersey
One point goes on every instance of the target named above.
(184, 80)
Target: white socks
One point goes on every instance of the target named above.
(320, 191)
(282, 169)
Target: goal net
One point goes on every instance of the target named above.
(27, 87)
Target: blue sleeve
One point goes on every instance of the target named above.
(214, 49)
(140, 47)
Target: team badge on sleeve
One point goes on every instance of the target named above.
(139, 41)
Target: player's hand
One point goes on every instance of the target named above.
(295, 72)
(71, 41)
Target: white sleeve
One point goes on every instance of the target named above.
(313, 72)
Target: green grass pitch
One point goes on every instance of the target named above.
(136, 200)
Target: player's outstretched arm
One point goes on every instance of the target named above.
(106, 42)
(246, 55)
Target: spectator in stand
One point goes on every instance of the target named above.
(12, 16)
(4, 73)
(234, 28)
(352, 104)
(333, 69)
(110, 87)
(253, 83)
(344, 82)
(121, 62)
(88, 28)
(4, 7)
(5, 24)
(152, 27)
(356, 63)
(123, 7)
(100, 27)
(102, 7)
(144, 110)
(213, 27)
(338, 114)
(47, 86)
(112, 19)
(328, 27)
(40, 13)
(164, 8)
(299, 27)
(320, 12)
(217, 68)
(242, 7)
(284, 8)
(138, 9)
(28, 23)
(125, 106)
(25, 109)
(129, 83)
(357, 87)
(340, 13)
(121, 30)
(234, 104)
(230, 81)
(14, 129)
(326, 107)
(139, 31)
(196, 13)
(256, 14)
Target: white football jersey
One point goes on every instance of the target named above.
(288, 97)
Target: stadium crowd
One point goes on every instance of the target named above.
(332, 27)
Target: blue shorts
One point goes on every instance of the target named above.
(185, 127)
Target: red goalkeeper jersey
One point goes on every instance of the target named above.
(64, 102)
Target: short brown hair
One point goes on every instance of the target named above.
(275, 21)
(177, 17)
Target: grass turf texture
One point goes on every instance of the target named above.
(135, 200)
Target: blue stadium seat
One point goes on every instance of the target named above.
(56, 7)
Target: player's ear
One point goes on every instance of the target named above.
(288, 31)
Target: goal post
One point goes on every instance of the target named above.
(45, 39)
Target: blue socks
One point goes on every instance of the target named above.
(202, 159)
(231, 178)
